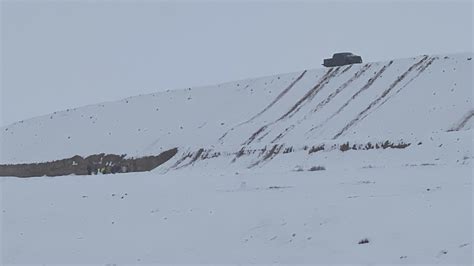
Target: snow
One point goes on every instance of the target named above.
(434, 99)
(201, 218)
(413, 203)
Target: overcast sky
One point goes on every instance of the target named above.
(57, 54)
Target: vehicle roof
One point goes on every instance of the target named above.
(343, 53)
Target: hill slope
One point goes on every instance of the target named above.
(367, 164)
(407, 97)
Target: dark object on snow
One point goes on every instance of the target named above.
(93, 164)
(317, 168)
(341, 59)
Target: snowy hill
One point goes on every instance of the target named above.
(416, 96)
(290, 168)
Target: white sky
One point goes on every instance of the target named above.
(64, 54)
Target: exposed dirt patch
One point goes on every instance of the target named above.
(369, 146)
(267, 156)
(201, 154)
(316, 148)
(97, 163)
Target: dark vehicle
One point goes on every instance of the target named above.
(341, 59)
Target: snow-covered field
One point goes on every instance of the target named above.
(292, 168)
(409, 215)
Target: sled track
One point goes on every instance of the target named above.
(342, 87)
(269, 155)
(285, 91)
(363, 113)
(365, 87)
(255, 135)
(311, 93)
(463, 121)
(346, 69)
(277, 98)
(194, 158)
(282, 134)
(295, 108)
(420, 70)
(327, 100)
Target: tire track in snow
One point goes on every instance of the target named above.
(255, 135)
(285, 91)
(342, 87)
(365, 87)
(282, 134)
(421, 68)
(364, 112)
(463, 121)
(328, 99)
(347, 68)
(311, 93)
(297, 106)
(268, 156)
